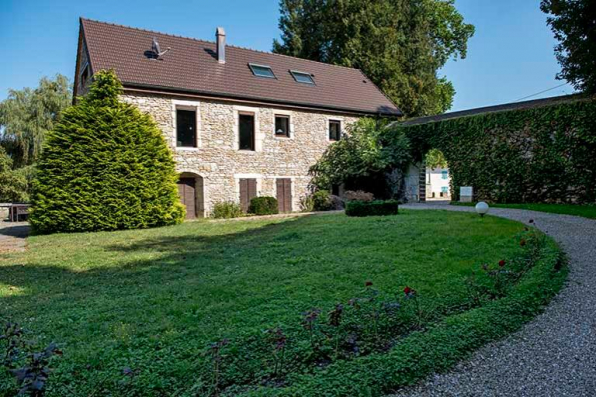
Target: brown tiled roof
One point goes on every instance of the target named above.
(191, 67)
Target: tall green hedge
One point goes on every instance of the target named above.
(542, 154)
(105, 166)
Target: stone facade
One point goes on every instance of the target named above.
(217, 163)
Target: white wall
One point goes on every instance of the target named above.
(437, 183)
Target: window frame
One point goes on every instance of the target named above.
(444, 175)
(295, 73)
(254, 132)
(334, 121)
(252, 67)
(195, 144)
(288, 133)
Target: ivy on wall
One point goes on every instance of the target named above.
(542, 154)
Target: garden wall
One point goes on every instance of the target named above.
(542, 154)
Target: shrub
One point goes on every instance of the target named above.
(378, 207)
(263, 206)
(336, 203)
(226, 210)
(106, 166)
(359, 195)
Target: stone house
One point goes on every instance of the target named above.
(240, 123)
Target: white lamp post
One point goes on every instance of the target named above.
(482, 208)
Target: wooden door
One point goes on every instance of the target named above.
(248, 190)
(284, 194)
(187, 192)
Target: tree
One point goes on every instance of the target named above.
(13, 183)
(362, 158)
(105, 166)
(27, 115)
(399, 44)
(574, 24)
(435, 159)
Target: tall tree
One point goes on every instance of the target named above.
(28, 114)
(574, 24)
(399, 44)
(105, 166)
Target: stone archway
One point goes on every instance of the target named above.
(191, 191)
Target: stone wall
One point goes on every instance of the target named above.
(220, 164)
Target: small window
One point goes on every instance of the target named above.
(444, 189)
(445, 174)
(334, 130)
(282, 125)
(246, 131)
(261, 70)
(85, 76)
(302, 77)
(186, 128)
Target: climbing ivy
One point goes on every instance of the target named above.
(540, 154)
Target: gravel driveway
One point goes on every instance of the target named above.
(555, 354)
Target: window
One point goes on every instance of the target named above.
(261, 70)
(85, 76)
(246, 131)
(444, 174)
(186, 128)
(334, 130)
(444, 189)
(282, 125)
(302, 77)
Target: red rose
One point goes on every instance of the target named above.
(501, 263)
(368, 283)
(407, 290)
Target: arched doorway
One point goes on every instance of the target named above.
(190, 189)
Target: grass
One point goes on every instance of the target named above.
(586, 211)
(153, 300)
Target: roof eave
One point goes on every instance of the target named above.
(149, 88)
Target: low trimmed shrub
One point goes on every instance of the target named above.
(226, 210)
(324, 201)
(372, 208)
(359, 195)
(263, 206)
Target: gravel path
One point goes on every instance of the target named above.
(12, 236)
(553, 355)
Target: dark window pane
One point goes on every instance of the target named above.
(282, 126)
(246, 124)
(186, 125)
(261, 70)
(334, 130)
(302, 77)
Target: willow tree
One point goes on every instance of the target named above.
(27, 115)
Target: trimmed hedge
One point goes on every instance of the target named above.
(263, 206)
(105, 166)
(541, 154)
(372, 208)
(438, 348)
(226, 210)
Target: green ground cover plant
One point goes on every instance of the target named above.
(371, 208)
(586, 211)
(223, 308)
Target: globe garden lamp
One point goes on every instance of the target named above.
(482, 208)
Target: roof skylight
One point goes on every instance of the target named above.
(302, 77)
(261, 70)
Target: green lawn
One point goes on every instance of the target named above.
(586, 211)
(153, 300)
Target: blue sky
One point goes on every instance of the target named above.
(510, 57)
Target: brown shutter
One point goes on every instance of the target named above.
(284, 194)
(244, 194)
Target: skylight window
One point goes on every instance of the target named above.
(302, 77)
(261, 70)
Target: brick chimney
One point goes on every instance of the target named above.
(220, 36)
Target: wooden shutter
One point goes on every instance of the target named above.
(284, 194)
(248, 190)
